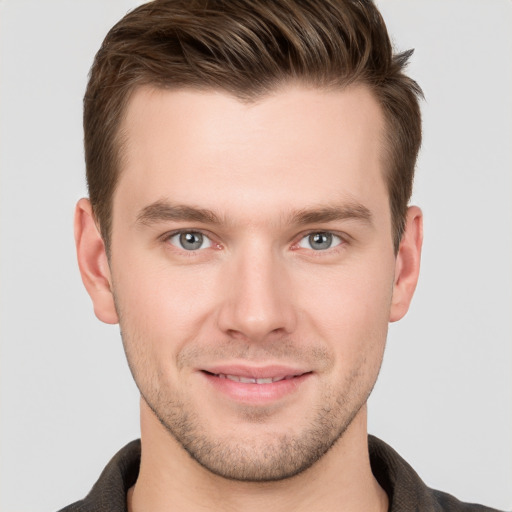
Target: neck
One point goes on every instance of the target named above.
(341, 480)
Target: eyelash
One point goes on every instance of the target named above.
(330, 250)
(166, 238)
(295, 246)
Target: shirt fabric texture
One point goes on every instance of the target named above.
(405, 489)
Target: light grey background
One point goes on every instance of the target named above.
(444, 399)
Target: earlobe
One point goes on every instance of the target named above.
(407, 265)
(93, 263)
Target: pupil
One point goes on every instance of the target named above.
(191, 241)
(320, 241)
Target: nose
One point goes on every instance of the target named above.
(257, 303)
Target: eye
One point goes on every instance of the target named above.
(320, 241)
(190, 240)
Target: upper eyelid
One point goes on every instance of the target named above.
(338, 235)
(342, 235)
(170, 234)
(166, 237)
(293, 241)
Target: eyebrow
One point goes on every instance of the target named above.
(162, 211)
(355, 211)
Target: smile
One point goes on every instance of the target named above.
(255, 386)
(253, 380)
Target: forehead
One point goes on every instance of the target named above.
(292, 147)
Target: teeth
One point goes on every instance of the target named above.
(251, 380)
(247, 380)
(264, 381)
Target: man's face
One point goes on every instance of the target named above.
(252, 266)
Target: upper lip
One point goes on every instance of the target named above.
(255, 372)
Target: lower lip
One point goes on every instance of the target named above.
(256, 393)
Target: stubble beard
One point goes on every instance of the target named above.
(264, 458)
(268, 456)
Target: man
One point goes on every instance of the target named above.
(249, 166)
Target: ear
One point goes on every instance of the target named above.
(407, 264)
(93, 263)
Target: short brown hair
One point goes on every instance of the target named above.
(248, 48)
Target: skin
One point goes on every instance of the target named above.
(258, 294)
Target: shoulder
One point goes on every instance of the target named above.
(447, 502)
(109, 492)
(405, 489)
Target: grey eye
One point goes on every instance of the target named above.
(190, 240)
(320, 241)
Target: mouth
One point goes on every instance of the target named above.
(255, 386)
(254, 380)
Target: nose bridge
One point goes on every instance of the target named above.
(257, 303)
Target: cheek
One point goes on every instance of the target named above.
(351, 313)
(161, 308)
